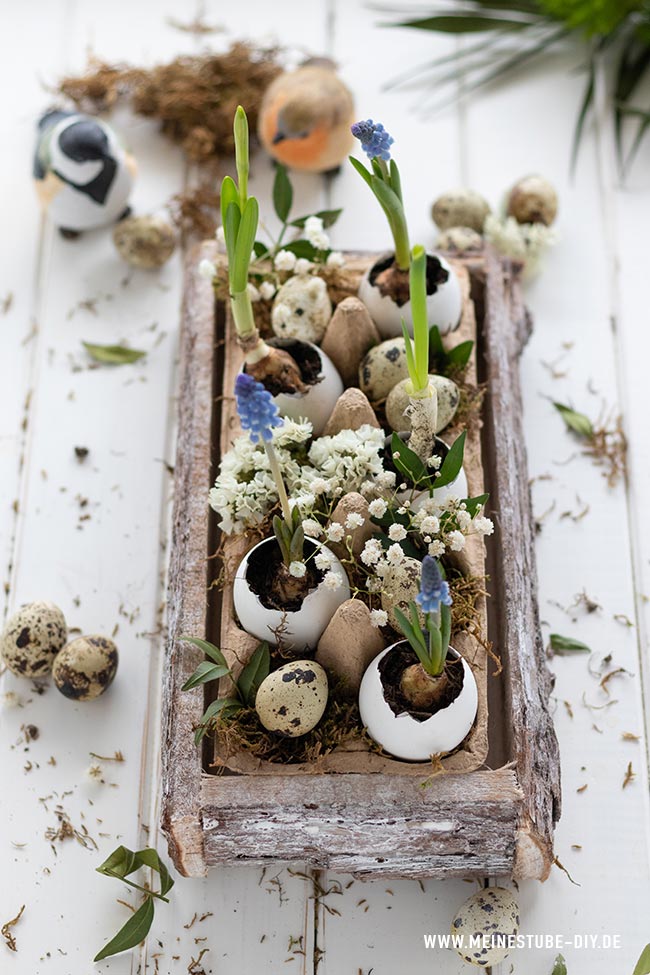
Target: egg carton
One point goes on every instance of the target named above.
(492, 808)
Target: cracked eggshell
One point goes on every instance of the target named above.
(301, 309)
(31, 639)
(398, 398)
(382, 368)
(292, 700)
(86, 667)
(488, 914)
(317, 404)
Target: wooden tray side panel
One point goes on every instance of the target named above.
(187, 603)
(528, 680)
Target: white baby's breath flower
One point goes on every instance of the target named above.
(397, 533)
(311, 528)
(284, 261)
(456, 541)
(483, 525)
(464, 519)
(335, 259)
(267, 290)
(303, 266)
(395, 554)
(437, 548)
(333, 580)
(315, 233)
(434, 461)
(220, 235)
(207, 269)
(319, 485)
(377, 508)
(335, 532)
(253, 292)
(305, 500)
(430, 524)
(297, 569)
(373, 584)
(323, 560)
(378, 617)
(372, 552)
(354, 520)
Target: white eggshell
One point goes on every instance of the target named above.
(300, 630)
(443, 306)
(382, 368)
(316, 405)
(31, 639)
(491, 915)
(301, 309)
(292, 700)
(404, 736)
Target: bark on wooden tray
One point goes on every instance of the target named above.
(471, 824)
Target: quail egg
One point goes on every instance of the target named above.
(460, 239)
(291, 700)
(398, 398)
(86, 667)
(460, 208)
(490, 917)
(401, 584)
(144, 242)
(31, 639)
(533, 200)
(382, 367)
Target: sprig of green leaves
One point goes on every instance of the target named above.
(290, 537)
(244, 689)
(415, 470)
(121, 864)
(446, 362)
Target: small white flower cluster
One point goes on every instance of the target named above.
(343, 462)
(526, 242)
(315, 233)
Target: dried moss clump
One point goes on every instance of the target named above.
(193, 97)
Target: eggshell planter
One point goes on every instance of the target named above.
(301, 630)
(404, 736)
(316, 405)
(444, 304)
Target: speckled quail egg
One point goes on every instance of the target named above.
(31, 639)
(86, 667)
(533, 200)
(382, 367)
(460, 208)
(491, 915)
(398, 398)
(301, 309)
(291, 700)
(401, 584)
(459, 240)
(145, 242)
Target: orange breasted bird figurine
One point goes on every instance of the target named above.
(305, 118)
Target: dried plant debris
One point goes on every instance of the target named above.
(6, 932)
(630, 775)
(604, 440)
(193, 97)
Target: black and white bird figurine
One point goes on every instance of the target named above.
(82, 172)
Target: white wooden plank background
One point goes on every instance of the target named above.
(109, 568)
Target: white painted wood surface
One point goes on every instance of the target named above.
(108, 568)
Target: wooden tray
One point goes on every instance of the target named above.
(470, 821)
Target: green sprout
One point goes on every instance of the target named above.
(431, 642)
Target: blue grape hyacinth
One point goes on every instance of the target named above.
(434, 591)
(257, 411)
(374, 139)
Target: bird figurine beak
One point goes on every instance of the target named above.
(278, 137)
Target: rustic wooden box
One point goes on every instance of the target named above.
(495, 820)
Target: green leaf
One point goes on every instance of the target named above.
(575, 421)
(408, 349)
(473, 504)
(282, 193)
(120, 863)
(229, 194)
(329, 218)
(362, 171)
(134, 931)
(302, 248)
(413, 634)
(559, 968)
(458, 357)
(256, 670)
(587, 100)
(209, 649)
(223, 705)
(113, 355)
(260, 248)
(244, 247)
(408, 463)
(240, 132)
(464, 23)
(150, 858)
(231, 231)
(566, 644)
(395, 180)
(643, 964)
(205, 673)
(297, 545)
(452, 463)
(418, 293)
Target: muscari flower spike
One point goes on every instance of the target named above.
(434, 591)
(374, 139)
(257, 411)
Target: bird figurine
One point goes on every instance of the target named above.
(83, 175)
(305, 118)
